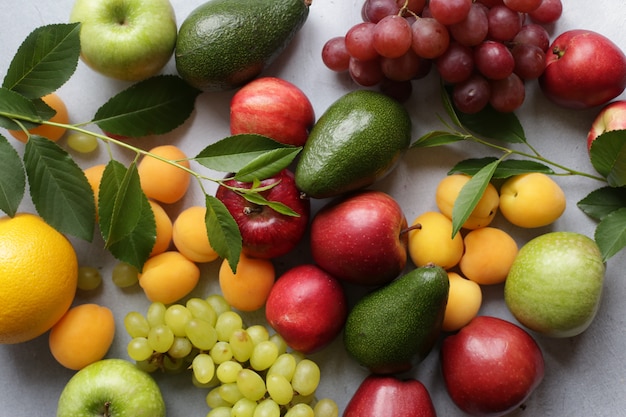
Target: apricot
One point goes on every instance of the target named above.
(430, 241)
(249, 287)
(190, 235)
(82, 336)
(54, 133)
(489, 254)
(161, 179)
(168, 277)
(94, 177)
(531, 200)
(464, 300)
(448, 191)
(163, 229)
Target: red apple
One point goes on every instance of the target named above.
(307, 307)
(491, 366)
(265, 232)
(583, 69)
(611, 117)
(272, 107)
(379, 396)
(361, 238)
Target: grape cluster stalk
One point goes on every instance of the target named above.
(485, 50)
(246, 370)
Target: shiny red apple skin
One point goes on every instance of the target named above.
(491, 366)
(583, 69)
(272, 107)
(611, 117)
(379, 396)
(360, 238)
(307, 307)
(265, 232)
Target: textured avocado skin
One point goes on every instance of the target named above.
(357, 140)
(391, 328)
(223, 44)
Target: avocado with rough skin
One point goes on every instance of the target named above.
(223, 44)
(395, 327)
(357, 141)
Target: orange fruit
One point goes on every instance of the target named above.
(53, 133)
(38, 276)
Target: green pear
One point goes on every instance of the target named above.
(555, 284)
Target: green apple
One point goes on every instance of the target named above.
(111, 388)
(555, 284)
(126, 39)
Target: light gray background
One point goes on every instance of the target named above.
(584, 375)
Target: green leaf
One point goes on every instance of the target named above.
(446, 93)
(437, 138)
(15, 106)
(12, 180)
(224, 234)
(120, 201)
(233, 153)
(608, 156)
(610, 235)
(151, 107)
(267, 164)
(45, 61)
(506, 168)
(279, 207)
(603, 201)
(470, 195)
(59, 188)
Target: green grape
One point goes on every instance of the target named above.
(300, 410)
(251, 384)
(227, 371)
(267, 408)
(124, 275)
(201, 309)
(136, 324)
(156, 314)
(176, 318)
(221, 352)
(211, 384)
(227, 323)
(219, 412)
(214, 399)
(298, 356)
(306, 377)
(201, 333)
(181, 347)
(243, 408)
(218, 303)
(203, 368)
(326, 408)
(89, 278)
(285, 365)
(139, 349)
(279, 342)
(279, 389)
(160, 338)
(147, 365)
(173, 365)
(82, 142)
(230, 392)
(258, 333)
(263, 355)
(242, 345)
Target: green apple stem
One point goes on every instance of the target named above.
(107, 408)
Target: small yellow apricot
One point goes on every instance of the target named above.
(163, 229)
(249, 287)
(82, 336)
(54, 133)
(163, 181)
(531, 200)
(430, 241)
(168, 277)
(489, 254)
(464, 300)
(448, 191)
(94, 176)
(190, 235)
